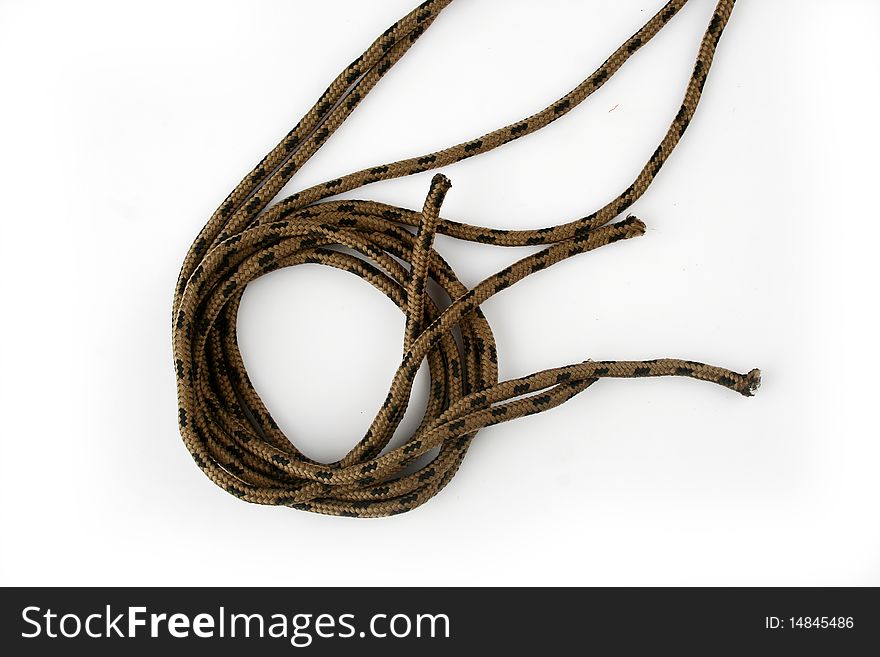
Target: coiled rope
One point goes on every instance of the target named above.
(226, 426)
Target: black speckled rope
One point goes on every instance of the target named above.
(226, 426)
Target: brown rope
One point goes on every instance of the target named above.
(226, 426)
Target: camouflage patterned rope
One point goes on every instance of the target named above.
(225, 425)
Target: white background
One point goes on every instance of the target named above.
(123, 125)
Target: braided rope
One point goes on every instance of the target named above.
(223, 422)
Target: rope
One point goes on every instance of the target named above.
(224, 424)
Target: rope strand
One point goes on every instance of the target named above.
(224, 423)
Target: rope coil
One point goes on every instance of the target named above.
(223, 422)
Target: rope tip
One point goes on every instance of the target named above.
(440, 184)
(441, 181)
(635, 225)
(752, 382)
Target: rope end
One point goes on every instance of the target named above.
(440, 184)
(752, 383)
(635, 227)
